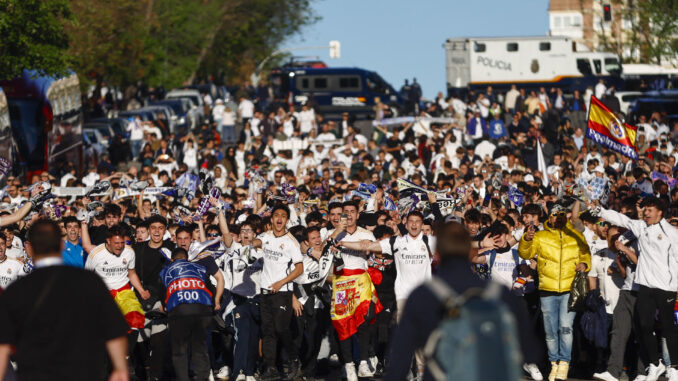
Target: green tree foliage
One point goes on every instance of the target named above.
(172, 42)
(653, 35)
(32, 36)
(658, 29)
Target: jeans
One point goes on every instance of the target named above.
(136, 148)
(189, 331)
(228, 133)
(558, 326)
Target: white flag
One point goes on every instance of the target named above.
(541, 165)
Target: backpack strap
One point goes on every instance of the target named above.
(391, 242)
(441, 290)
(516, 257)
(425, 239)
(493, 257)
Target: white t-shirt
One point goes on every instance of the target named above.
(306, 119)
(241, 277)
(113, 269)
(355, 259)
(246, 109)
(16, 250)
(218, 111)
(280, 255)
(609, 284)
(595, 243)
(413, 262)
(503, 269)
(10, 270)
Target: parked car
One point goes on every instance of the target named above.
(626, 98)
(205, 88)
(167, 111)
(648, 106)
(119, 125)
(195, 97)
(103, 129)
(145, 115)
(180, 107)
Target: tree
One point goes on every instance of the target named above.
(32, 37)
(110, 40)
(653, 33)
(172, 42)
(658, 29)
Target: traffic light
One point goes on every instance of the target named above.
(607, 12)
(335, 49)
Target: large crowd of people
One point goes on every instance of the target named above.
(271, 243)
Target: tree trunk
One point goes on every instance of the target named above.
(209, 39)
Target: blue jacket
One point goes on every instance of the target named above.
(497, 129)
(185, 284)
(473, 124)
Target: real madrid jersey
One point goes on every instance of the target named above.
(10, 270)
(242, 270)
(355, 259)
(413, 262)
(281, 254)
(113, 269)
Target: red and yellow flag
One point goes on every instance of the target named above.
(352, 293)
(129, 305)
(605, 129)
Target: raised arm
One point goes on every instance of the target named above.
(84, 237)
(16, 216)
(619, 219)
(364, 245)
(223, 226)
(201, 229)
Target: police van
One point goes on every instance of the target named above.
(529, 62)
(336, 90)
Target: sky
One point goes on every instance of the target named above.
(403, 38)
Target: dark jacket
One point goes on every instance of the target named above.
(423, 313)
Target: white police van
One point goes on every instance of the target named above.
(529, 62)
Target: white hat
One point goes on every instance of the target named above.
(599, 169)
(528, 178)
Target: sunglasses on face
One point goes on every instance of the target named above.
(213, 235)
(603, 223)
(246, 230)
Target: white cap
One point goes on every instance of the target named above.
(528, 178)
(599, 169)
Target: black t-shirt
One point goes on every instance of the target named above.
(63, 336)
(212, 268)
(97, 234)
(148, 262)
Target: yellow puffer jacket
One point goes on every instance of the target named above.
(558, 252)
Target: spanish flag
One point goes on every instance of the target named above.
(605, 129)
(352, 292)
(129, 305)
